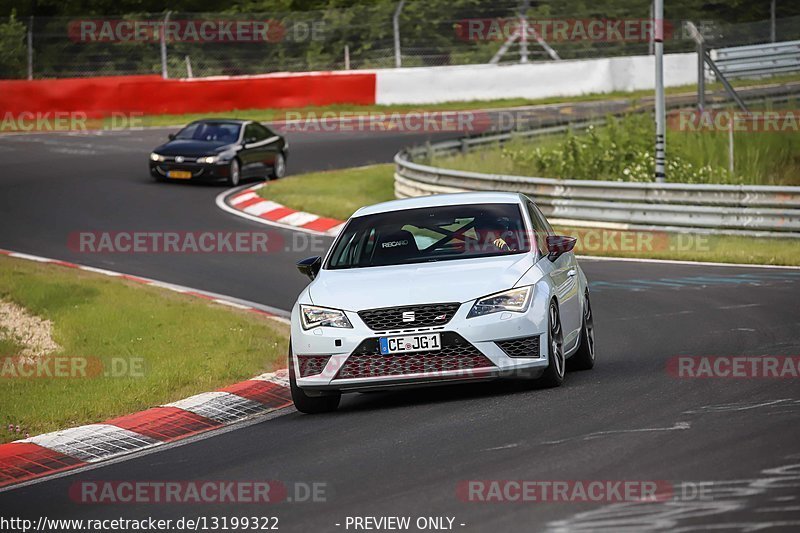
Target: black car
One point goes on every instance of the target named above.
(221, 149)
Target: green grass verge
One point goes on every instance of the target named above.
(268, 115)
(335, 194)
(184, 345)
(339, 193)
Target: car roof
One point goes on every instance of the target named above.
(222, 120)
(439, 200)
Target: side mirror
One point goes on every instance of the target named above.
(559, 244)
(171, 136)
(310, 266)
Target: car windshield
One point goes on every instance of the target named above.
(216, 132)
(430, 234)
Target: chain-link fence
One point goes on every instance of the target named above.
(383, 35)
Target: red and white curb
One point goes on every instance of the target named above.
(51, 453)
(246, 202)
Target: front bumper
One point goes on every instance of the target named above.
(345, 359)
(199, 171)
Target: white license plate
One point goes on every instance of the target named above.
(410, 343)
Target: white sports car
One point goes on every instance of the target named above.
(444, 288)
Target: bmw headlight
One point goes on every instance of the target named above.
(514, 300)
(312, 316)
(209, 160)
(156, 157)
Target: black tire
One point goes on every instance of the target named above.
(279, 168)
(553, 376)
(584, 357)
(310, 404)
(234, 173)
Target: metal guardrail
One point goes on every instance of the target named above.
(758, 60)
(732, 209)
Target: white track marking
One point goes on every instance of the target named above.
(298, 218)
(29, 257)
(264, 206)
(243, 198)
(678, 426)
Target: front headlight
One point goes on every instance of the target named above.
(156, 157)
(208, 160)
(514, 300)
(312, 316)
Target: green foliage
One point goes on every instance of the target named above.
(12, 48)
(622, 150)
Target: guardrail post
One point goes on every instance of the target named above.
(398, 58)
(725, 83)
(163, 39)
(701, 76)
(30, 48)
(660, 105)
(772, 21)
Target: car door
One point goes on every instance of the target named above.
(260, 148)
(564, 275)
(272, 144)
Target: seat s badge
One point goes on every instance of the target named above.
(179, 159)
(408, 316)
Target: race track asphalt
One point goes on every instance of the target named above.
(404, 453)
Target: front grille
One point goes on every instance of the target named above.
(366, 360)
(311, 365)
(522, 347)
(424, 316)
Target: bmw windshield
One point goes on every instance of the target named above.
(430, 234)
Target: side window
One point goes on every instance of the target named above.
(252, 133)
(541, 228)
(545, 223)
(264, 131)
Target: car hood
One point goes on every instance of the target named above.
(459, 280)
(192, 148)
